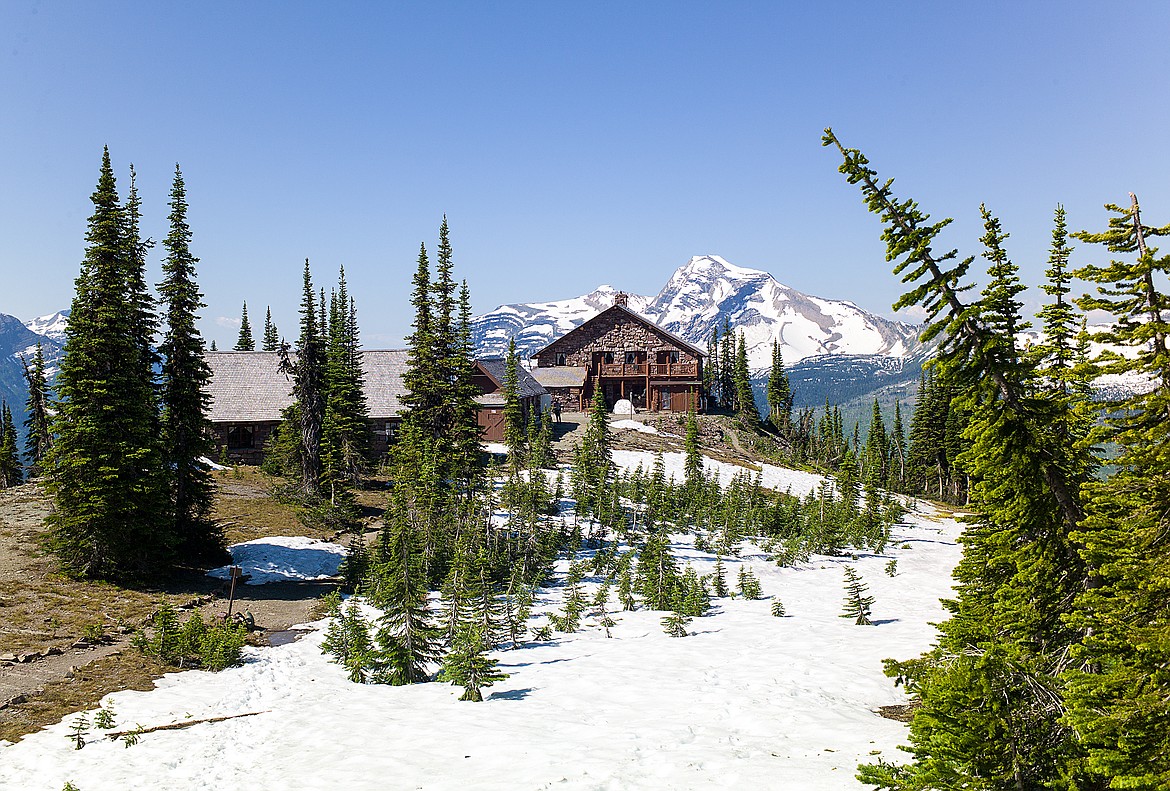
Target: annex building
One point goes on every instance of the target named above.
(249, 393)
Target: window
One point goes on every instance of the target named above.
(241, 437)
(561, 360)
(674, 356)
(608, 358)
(631, 358)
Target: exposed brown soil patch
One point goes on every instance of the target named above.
(48, 669)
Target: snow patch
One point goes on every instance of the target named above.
(284, 559)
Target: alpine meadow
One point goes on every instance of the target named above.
(512, 396)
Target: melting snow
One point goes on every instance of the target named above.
(284, 559)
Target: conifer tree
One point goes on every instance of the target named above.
(110, 517)
(38, 431)
(345, 426)
(719, 577)
(468, 666)
(877, 444)
(513, 415)
(692, 461)
(407, 639)
(1119, 690)
(857, 604)
(779, 393)
(307, 368)
(213, 347)
(11, 471)
(991, 713)
(271, 339)
(183, 386)
(727, 367)
(897, 453)
(745, 400)
(347, 641)
(711, 368)
(245, 342)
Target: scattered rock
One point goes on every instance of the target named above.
(7, 657)
(23, 658)
(53, 651)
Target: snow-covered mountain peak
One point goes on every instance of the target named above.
(50, 326)
(699, 295)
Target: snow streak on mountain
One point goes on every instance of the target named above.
(697, 298)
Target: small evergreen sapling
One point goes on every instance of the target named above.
(778, 608)
(468, 665)
(892, 568)
(749, 586)
(104, 719)
(719, 577)
(676, 623)
(857, 604)
(348, 642)
(77, 731)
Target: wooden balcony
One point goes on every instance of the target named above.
(623, 369)
(674, 370)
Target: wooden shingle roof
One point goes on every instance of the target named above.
(495, 369)
(248, 387)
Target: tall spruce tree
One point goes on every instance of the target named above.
(1118, 687)
(111, 516)
(344, 427)
(745, 400)
(307, 368)
(38, 430)
(991, 690)
(183, 389)
(271, 340)
(407, 638)
(779, 393)
(11, 471)
(513, 414)
(245, 342)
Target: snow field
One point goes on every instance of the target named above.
(284, 559)
(747, 700)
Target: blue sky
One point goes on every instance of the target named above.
(569, 144)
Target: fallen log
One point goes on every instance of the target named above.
(174, 726)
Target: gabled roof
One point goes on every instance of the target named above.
(495, 368)
(248, 387)
(670, 336)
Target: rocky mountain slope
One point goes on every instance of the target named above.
(19, 339)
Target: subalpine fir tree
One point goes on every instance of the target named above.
(692, 460)
(877, 443)
(896, 479)
(1118, 692)
(513, 414)
(245, 342)
(307, 368)
(779, 393)
(858, 606)
(345, 426)
(408, 641)
(711, 368)
(111, 517)
(594, 460)
(657, 571)
(183, 391)
(727, 367)
(11, 471)
(519, 598)
(748, 583)
(719, 577)
(991, 714)
(38, 431)
(467, 665)
(347, 641)
(677, 622)
(271, 339)
(745, 400)
(573, 601)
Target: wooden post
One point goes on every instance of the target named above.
(235, 572)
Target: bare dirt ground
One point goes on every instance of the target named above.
(64, 643)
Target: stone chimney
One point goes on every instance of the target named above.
(621, 298)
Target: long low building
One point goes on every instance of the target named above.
(249, 393)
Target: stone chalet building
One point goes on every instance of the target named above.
(627, 356)
(249, 393)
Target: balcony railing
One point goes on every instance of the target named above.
(674, 370)
(623, 369)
